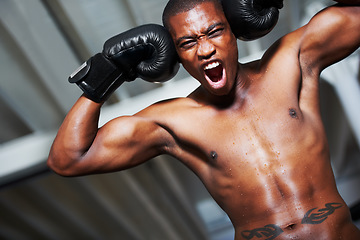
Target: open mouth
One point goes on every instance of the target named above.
(214, 71)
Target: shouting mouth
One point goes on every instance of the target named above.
(214, 74)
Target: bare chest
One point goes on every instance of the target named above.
(267, 145)
(254, 133)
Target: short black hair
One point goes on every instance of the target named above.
(174, 7)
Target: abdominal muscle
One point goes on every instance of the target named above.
(270, 208)
(312, 217)
(284, 203)
(270, 193)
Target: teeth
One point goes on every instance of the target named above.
(211, 65)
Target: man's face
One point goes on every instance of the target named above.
(206, 47)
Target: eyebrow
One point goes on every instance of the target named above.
(211, 27)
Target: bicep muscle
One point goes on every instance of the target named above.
(123, 143)
(330, 36)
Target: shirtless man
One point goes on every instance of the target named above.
(253, 135)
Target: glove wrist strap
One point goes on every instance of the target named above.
(98, 78)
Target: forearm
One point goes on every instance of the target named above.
(75, 135)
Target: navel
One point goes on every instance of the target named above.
(290, 226)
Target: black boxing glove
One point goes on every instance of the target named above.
(147, 52)
(251, 19)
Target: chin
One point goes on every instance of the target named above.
(223, 91)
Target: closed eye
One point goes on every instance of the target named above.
(215, 33)
(187, 44)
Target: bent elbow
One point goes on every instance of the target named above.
(61, 165)
(56, 168)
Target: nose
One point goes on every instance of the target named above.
(205, 49)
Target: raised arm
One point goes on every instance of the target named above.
(80, 147)
(330, 36)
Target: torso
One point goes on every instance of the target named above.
(266, 160)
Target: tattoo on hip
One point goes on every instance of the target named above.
(320, 215)
(270, 231)
(313, 216)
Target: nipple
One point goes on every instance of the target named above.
(292, 113)
(213, 155)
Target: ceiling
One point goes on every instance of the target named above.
(41, 43)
